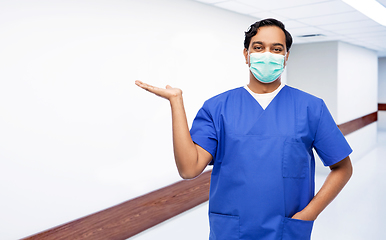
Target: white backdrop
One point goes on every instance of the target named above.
(76, 134)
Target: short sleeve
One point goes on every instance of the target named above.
(329, 142)
(203, 131)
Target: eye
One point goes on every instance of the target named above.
(257, 47)
(277, 49)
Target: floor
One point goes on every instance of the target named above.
(356, 214)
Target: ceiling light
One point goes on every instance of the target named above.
(370, 8)
(312, 35)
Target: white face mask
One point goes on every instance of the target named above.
(266, 67)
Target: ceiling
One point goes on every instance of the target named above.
(328, 19)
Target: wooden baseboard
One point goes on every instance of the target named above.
(358, 123)
(381, 106)
(134, 216)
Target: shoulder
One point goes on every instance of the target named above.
(224, 97)
(307, 104)
(302, 95)
(304, 99)
(227, 94)
(224, 102)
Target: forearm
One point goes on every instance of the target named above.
(185, 152)
(334, 183)
(191, 159)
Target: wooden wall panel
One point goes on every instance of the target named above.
(134, 216)
(381, 106)
(358, 123)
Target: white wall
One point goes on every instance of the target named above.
(77, 136)
(313, 68)
(357, 94)
(382, 92)
(335, 71)
(382, 120)
(357, 82)
(382, 80)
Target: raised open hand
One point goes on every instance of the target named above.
(166, 93)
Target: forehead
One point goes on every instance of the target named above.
(269, 35)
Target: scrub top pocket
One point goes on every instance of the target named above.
(295, 160)
(224, 227)
(295, 229)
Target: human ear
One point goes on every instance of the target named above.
(286, 58)
(246, 55)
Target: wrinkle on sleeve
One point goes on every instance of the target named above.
(329, 142)
(203, 131)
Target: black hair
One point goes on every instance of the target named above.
(252, 30)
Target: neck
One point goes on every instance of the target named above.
(258, 87)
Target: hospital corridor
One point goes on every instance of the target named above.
(192, 119)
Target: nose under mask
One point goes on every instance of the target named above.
(266, 67)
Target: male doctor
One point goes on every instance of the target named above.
(259, 139)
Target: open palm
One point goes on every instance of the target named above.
(168, 92)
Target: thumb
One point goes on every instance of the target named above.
(168, 86)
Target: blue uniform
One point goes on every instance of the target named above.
(263, 164)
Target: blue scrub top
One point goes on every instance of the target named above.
(263, 164)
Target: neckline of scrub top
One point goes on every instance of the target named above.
(264, 99)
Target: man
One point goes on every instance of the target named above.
(259, 139)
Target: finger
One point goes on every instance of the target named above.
(143, 85)
(157, 91)
(168, 86)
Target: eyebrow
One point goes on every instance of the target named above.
(275, 44)
(257, 42)
(278, 44)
